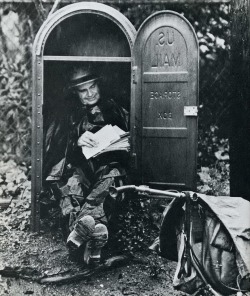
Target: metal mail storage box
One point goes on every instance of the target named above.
(153, 74)
(78, 33)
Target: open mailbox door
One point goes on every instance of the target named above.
(164, 102)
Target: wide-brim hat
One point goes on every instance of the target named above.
(79, 76)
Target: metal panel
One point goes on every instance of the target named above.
(164, 132)
(166, 82)
(87, 59)
(37, 142)
(165, 77)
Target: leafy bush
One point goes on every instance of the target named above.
(17, 36)
(15, 104)
(213, 160)
(137, 225)
(211, 147)
(214, 180)
(14, 185)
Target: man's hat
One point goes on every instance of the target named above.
(80, 76)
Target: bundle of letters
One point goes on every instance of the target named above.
(109, 138)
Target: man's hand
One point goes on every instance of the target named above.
(87, 139)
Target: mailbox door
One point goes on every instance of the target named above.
(164, 103)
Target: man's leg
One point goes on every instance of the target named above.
(94, 207)
(82, 232)
(92, 253)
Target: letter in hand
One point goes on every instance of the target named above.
(87, 139)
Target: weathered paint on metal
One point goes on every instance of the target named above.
(166, 56)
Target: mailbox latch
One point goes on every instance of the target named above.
(190, 111)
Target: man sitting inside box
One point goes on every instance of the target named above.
(81, 185)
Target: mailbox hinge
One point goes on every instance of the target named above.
(134, 74)
(190, 111)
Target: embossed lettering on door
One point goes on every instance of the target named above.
(168, 83)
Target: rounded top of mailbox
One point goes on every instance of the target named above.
(88, 8)
(170, 18)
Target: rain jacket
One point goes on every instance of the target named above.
(68, 125)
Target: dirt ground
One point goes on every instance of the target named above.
(28, 259)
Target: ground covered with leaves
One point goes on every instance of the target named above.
(27, 259)
(29, 263)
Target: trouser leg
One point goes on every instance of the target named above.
(95, 200)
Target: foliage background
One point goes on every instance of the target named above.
(19, 23)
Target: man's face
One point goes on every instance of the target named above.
(88, 93)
